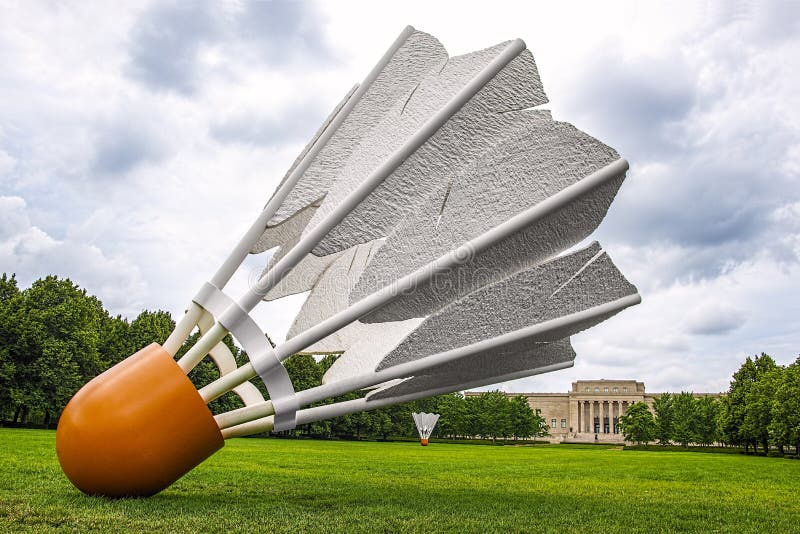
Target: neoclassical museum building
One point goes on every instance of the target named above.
(590, 411)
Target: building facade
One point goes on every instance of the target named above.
(590, 411)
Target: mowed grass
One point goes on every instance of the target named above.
(270, 485)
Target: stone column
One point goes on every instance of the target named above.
(611, 417)
(591, 416)
(585, 413)
(602, 410)
(611, 423)
(601, 407)
(573, 417)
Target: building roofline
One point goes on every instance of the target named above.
(608, 380)
(567, 393)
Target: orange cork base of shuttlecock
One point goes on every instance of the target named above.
(423, 442)
(135, 429)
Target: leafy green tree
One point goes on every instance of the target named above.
(735, 403)
(494, 415)
(452, 410)
(785, 424)
(758, 401)
(706, 416)
(523, 420)
(8, 287)
(351, 425)
(114, 340)
(207, 371)
(721, 420)
(320, 428)
(402, 422)
(149, 327)
(758, 405)
(684, 420)
(51, 337)
(540, 427)
(9, 291)
(59, 376)
(738, 428)
(304, 371)
(543, 429)
(472, 416)
(638, 424)
(662, 405)
(381, 423)
(326, 362)
(429, 405)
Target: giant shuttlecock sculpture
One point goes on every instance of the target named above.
(428, 218)
(425, 422)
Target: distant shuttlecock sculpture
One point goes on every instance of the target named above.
(429, 219)
(425, 423)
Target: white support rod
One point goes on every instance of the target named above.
(419, 366)
(314, 235)
(245, 244)
(183, 329)
(403, 285)
(202, 347)
(328, 411)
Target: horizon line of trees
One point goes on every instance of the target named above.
(55, 337)
(761, 409)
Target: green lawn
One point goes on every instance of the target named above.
(263, 485)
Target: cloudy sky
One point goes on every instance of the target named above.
(138, 141)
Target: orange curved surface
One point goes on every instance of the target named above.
(135, 429)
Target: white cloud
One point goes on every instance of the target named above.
(7, 164)
(700, 330)
(141, 155)
(13, 219)
(32, 253)
(714, 318)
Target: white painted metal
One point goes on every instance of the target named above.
(337, 214)
(254, 295)
(246, 243)
(455, 257)
(241, 250)
(328, 411)
(226, 363)
(259, 351)
(471, 132)
(418, 366)
(534, 159)
(301, 238)
(183, 329)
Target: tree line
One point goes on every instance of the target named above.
(489, 415)
(55, 337)
(760, 410)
